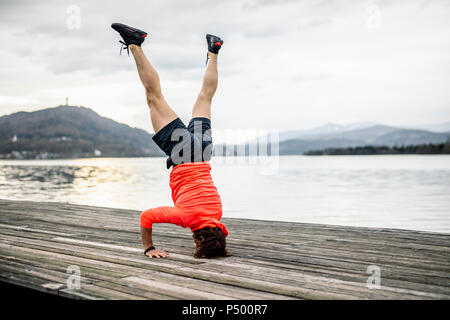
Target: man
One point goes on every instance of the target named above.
(197, 204)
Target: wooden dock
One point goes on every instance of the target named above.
(272, 260)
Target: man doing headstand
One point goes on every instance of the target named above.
(197, 204)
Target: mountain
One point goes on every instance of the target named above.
(353, 135)
(435, 127)
(403, 137)
(299, 146)
(327, 129)
(377, 135)
(71, 132)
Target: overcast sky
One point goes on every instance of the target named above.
(284, 64)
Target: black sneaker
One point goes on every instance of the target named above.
(129, 35)
(214, 44)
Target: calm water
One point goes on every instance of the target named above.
(408, 192)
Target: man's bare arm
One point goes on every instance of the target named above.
(146, 234)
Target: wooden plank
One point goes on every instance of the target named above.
(239, 281)
(180, 281)
(26, 229)
(173, 290)
(105, 293)
(310, 261)
(135, 291)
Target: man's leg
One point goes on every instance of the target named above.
(202, 107)
(160, 112)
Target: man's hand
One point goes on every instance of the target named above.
(147, 241)
(157, 254)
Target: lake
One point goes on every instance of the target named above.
(392, 191)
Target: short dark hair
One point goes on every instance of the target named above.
(210, 243)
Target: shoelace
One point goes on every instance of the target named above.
(124, 46)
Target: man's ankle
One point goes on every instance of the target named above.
(212, 55)
(134, 47)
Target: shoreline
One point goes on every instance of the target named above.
(239, 156)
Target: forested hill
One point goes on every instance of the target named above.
(442, 148)
(70, 132)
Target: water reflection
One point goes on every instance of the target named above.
(108, 182)
(410, 192)
(48, 177)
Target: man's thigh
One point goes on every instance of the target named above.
(161, 113)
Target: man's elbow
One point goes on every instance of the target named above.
(146, 220)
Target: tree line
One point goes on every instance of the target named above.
(442, 148)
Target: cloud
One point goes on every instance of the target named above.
(285, 64)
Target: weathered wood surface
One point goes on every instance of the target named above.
(272, 260)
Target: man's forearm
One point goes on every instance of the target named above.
(146, 234)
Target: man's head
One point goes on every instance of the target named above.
(209, 242)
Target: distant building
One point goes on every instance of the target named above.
(14, 139)
(97, 153)
(42, 155)
(17, 155)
